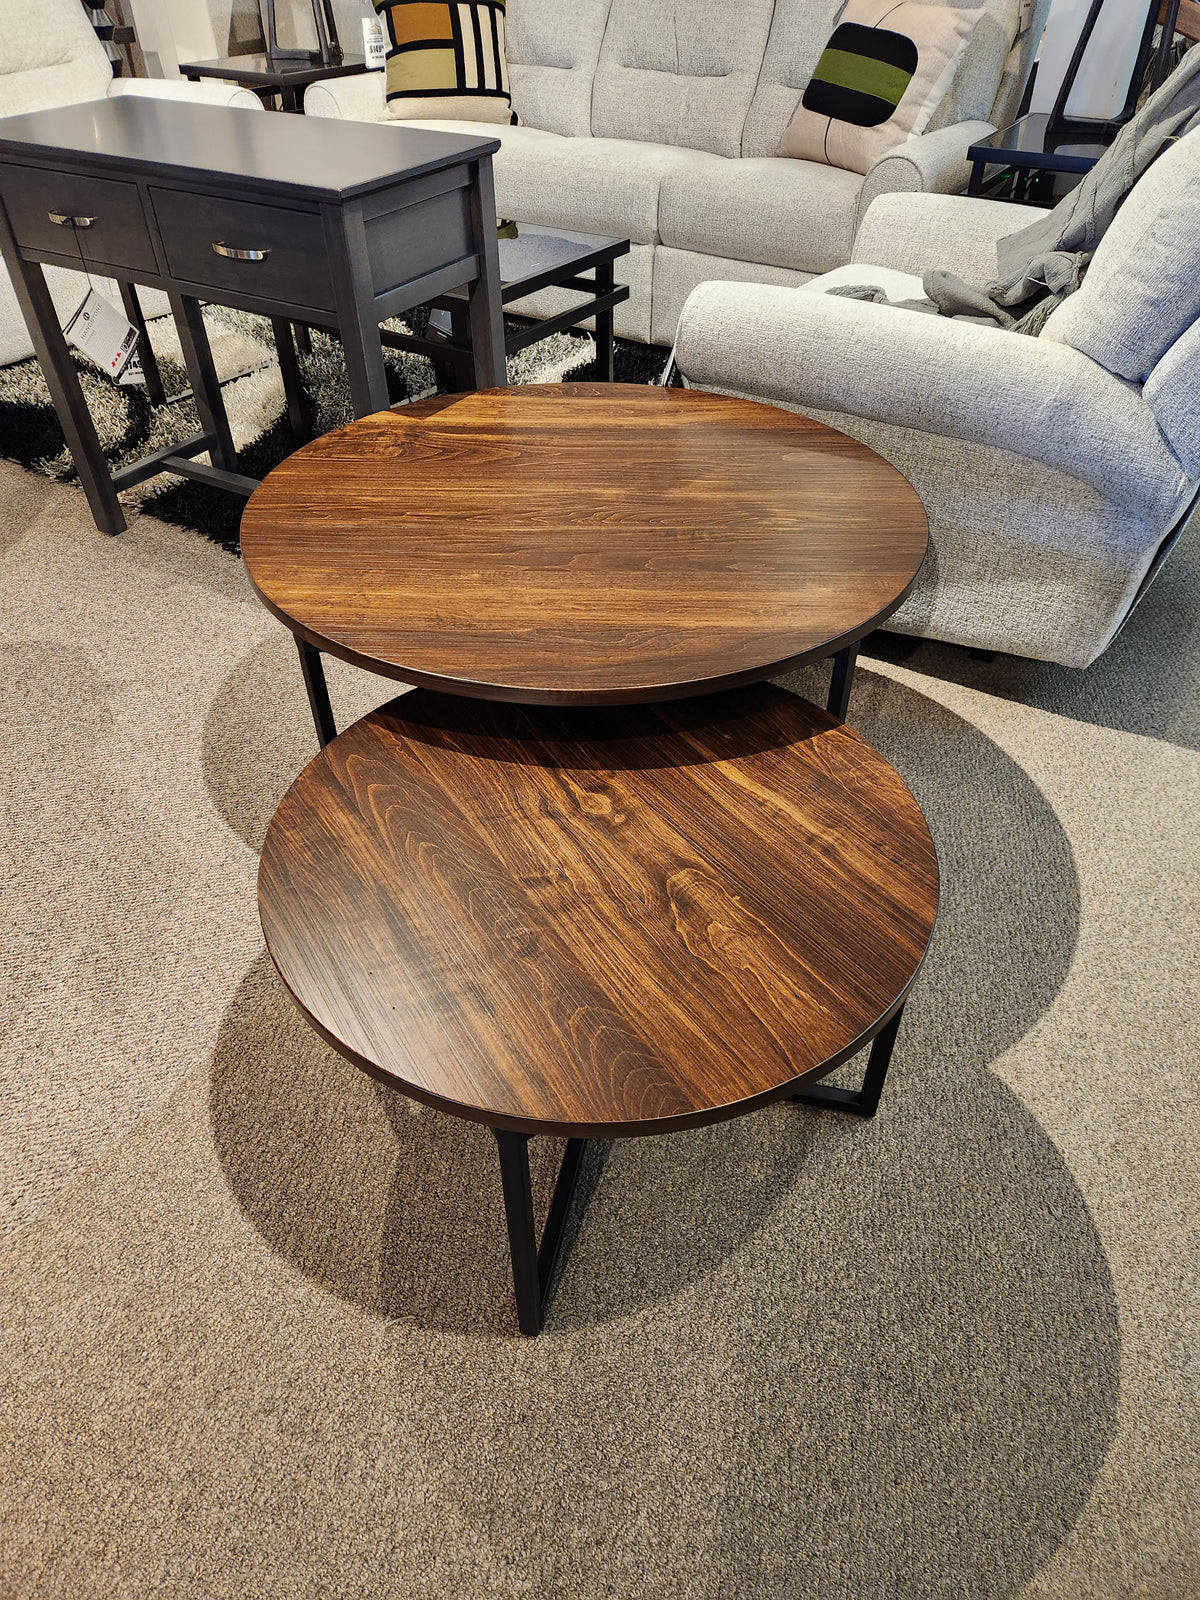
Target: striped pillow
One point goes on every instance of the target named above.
(446, 60)
(883, 74)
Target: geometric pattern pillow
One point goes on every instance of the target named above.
(446, 60)
(882, 76)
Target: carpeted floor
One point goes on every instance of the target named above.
(257, 1332)
(244, 355)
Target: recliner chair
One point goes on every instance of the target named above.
(1056, 471)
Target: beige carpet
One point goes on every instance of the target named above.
(257, 1331)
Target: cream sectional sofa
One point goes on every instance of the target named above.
(658, 120)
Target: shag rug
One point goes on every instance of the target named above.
(244, 352)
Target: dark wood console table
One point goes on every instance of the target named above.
(335, 224)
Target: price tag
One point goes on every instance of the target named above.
(374, 44)
(103, 333)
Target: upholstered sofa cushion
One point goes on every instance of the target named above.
(1173, 394)
(792, 214)
(49, 55)
(1142, 290)
(594, 185)
(885, 71)
(552, 54)
(801, 28)
(680, 72)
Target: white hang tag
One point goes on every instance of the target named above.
(132, 372)
(374, 44)
(103, 333)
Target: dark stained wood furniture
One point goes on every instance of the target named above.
(287, 79)
(538, 258)
(582, 544)
(337, 224)
(599, 922)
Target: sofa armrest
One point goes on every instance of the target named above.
(932, 163)
(913, 232)
(197, 94)
(936, 375)
(359, 99)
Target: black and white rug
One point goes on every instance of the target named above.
(244, 353)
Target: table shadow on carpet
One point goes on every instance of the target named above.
(911, 1322)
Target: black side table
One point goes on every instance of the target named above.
(287, 79)
(1033, 156)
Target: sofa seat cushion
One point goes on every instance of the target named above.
(593, 185)
(794, 214)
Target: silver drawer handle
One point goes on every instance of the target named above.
(240, 255)
(64, 219)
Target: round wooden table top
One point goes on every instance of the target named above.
(598, 921)
(583, 543)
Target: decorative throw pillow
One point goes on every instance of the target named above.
(446, 60)
(883, 74)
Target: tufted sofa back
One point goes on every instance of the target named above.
(680, 72)
(721, 75)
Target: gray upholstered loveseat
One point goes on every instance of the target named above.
(658, 120)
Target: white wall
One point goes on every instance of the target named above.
(199, 30)
(1103, 80)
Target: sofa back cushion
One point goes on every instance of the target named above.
(1142, 290)
(49, 56)
(981, 68)
(553, 48)
(680, 72)
(799, 33)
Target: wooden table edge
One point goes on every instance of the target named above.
(645, 695)
(647, 1128)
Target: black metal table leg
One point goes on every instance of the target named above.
(604, 324)
(155, 392)
(534, 1265)
(303, 338)
(318, 691)
(842, 681)
(862, 1102)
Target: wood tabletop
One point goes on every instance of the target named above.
(598, 921)
(318, 158)
(583, 543)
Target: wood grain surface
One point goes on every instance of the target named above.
(583, 543)
(598, 921)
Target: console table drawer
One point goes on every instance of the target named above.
(265, 251)
(116, 234)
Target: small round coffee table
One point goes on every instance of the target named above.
(599, 922)
(582, 544)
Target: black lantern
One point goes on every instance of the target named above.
(328, 52)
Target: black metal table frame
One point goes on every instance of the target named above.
(535, 1262)
(355, 320)
(841, 681)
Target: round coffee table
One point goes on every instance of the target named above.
(599, 922)
(582, 544)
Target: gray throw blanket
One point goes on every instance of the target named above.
(1037, 268)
